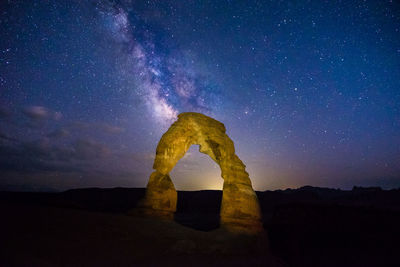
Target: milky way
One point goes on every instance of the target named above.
(308, 90)
(166, 83)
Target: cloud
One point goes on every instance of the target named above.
(99, 127)
(5, 137)
(57, 116)
(42, 156)
(59, 133)
(36, 112)
(110, 129)
(88, 149)
(32, 158)
(41, 113)
(5, 113)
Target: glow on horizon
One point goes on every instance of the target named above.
(196, 171)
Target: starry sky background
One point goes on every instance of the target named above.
(309, 91)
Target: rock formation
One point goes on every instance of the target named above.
(240, 211)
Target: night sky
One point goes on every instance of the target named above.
(309, 91)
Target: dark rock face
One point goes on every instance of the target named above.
(240, 211)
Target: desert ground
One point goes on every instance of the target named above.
(303, 227)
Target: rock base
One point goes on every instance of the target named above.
(148, 212)
(242, 226)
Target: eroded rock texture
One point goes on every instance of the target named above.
(240, 211)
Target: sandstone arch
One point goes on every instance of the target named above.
(240, 211)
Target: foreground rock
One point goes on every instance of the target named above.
(240, 211)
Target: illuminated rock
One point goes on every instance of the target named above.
(161, 196)
(240, 211)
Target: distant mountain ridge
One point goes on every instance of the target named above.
(120, 199)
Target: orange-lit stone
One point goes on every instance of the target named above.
(240, 211)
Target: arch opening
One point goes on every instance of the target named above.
(196, 171)
(199, 183)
